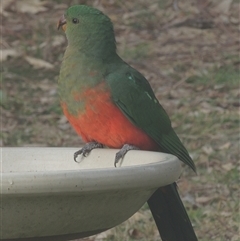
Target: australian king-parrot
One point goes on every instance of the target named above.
(111, 104)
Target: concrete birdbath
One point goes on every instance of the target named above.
(45, 195)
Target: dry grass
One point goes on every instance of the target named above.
(189, 52)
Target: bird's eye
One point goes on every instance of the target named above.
(75, 20)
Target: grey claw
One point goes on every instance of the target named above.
(123, 151)
(76, 154)
(86, 149)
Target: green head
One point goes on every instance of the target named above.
(88, 30)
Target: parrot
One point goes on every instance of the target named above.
(110, 104)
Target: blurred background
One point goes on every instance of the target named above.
(189, 52)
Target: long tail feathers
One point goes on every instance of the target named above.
(170, 215)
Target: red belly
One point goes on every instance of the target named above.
(102, 121)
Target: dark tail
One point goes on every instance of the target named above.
(170, 215)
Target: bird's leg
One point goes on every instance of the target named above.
(123, 152)
(87, 149)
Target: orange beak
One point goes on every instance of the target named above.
(62, 23)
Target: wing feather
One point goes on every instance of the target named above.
(134, 96)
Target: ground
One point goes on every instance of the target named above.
(189, 52)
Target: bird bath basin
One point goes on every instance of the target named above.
(45, 195)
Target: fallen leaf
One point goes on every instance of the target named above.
(223, 6)
(188, 198)
(38, 63)
(228, 167)
(4, 5)
(103, 236)
(235, 238)
(63, 123)
(60, 6)
(207, 149)
(62, 120)
(5, 53)
(225, 146)
(204, 200)
(30, 6)
(137, 216)
(58, 40)
(219, 86)
(226, 214)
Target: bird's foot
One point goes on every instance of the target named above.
(87, 149)
(123, 152)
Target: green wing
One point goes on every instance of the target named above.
(132, 93)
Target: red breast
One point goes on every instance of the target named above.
(102, 121)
